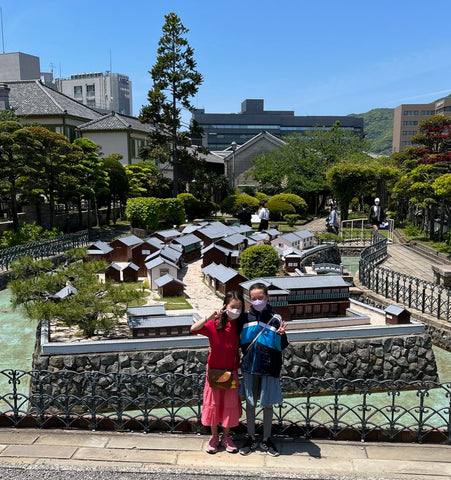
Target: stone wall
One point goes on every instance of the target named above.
(407, 358)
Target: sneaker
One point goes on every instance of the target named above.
(269, 447)
(227, 442)
(250, 445)
(212, 446)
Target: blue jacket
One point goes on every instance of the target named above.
(265, 355)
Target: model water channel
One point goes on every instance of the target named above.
(18, 336)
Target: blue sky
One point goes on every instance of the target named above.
(316, 58)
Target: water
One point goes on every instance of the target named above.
(351, 264)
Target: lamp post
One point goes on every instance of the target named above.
(233, 145)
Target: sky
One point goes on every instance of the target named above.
(312, 57)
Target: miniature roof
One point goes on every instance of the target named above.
(165, 279)
(394, 309)
(158, 261)
(243, 229)
(33, 98)
(303, 233)
(273, 232)
(295, 282)
(189, 239)
(290, 237)
(258, 236)
(190, 229)
(146, 310)
(66, 291)
(164, 321)
(171, 233)
(224, 250)
(220, 272)
(98, 248)
(129, 240)
(235, 239)
(166, 252)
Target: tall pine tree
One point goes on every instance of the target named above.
(175, 82)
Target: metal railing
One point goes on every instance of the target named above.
(44, 248)
(412, 292)
(337, 408)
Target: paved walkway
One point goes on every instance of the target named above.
(31, 449)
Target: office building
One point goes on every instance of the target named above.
(106, 92)
(407, 117)
(221, 129)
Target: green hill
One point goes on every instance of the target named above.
(378, 127)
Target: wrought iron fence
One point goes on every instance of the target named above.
(413, 292)
(336, 408)
(44, 248)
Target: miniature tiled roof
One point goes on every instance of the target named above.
(273, 232)
(220, 272)
(243, 229)
(290, 237)
(165, 279)
(158, 261)
(116, 121)
(98, 248)
(172, 233)
(186, 240)
(66, 291)
(130, 240)
(146, 310)
(235, 239)
(303, 233)
(164, 321)
(394, 309)
(293, 282)
(190, 229)
(258, 236)
(224, 250)
(33, 98)
(291, 251)
(166, 252)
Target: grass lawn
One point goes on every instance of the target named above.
(438, 246)
(175, 303)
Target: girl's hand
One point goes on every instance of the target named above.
(281, 329)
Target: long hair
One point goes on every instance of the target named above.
(223, 319)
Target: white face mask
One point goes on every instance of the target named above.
(233, 313)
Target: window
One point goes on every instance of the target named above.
(78, 91)
(90, 90)
(410, 112)
(91, 102)
(427, 112)
(410, 122)
(406, 144)
(409, 133)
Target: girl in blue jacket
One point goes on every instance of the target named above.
(262, 340)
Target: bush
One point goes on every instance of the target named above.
(28, 232)
(195, 208)
(261, 197)
(411, 230)
(296, 201)
(259, 261)
(354, 205)
(234, 203)
(278, 209)
(172, 211)
(291, 219)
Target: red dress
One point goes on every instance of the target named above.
(221, 406)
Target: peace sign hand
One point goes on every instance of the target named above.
(281, 329)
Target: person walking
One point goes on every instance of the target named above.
(222, 406)
(262, 340)
(376, 215)
(245, 216)
(263, 215)
(333, 220)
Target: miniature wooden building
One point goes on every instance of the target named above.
(395, 315)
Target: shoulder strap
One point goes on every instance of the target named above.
(259, 333)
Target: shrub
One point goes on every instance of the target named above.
(143, 212)
(296, 201)
(411, 230)
(291, 219)
(354, 205)
(261, 197)
(233, 203)
(259, 261)
(278, 209)
(28, 232)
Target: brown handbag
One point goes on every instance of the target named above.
(220, 378)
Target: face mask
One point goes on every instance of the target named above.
(234, 313)
(259, 305)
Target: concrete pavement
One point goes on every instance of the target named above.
(34, 449)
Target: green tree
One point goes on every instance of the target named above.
(16, 162)
(259, 261)
(300, 166)
(175, 82)
(95, 306)
(118, 185)
(144, 179)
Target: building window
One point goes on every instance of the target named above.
(410, 112)
(409, 133)
(406, 144)
(90, 90)
(410, 122)
(427, 112)
(91, 102)
(78, 91)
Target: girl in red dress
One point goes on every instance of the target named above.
(222, 406)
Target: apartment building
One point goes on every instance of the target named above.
(407, 117)
(106, 92)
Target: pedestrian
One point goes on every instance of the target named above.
(263, 215)
(376, 215)
(245, 216)
(262, 340)
(222, 406)
(333, 221)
